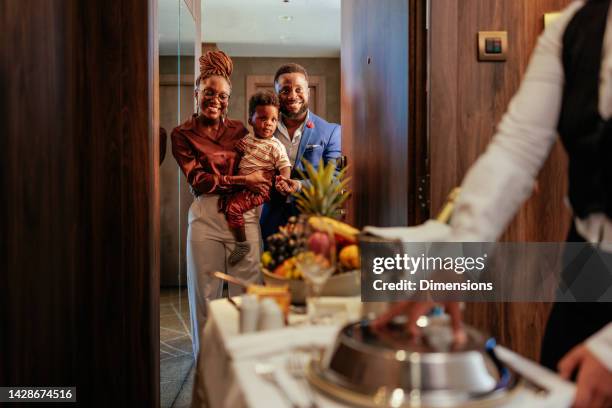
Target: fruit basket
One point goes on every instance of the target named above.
(315, 242)
(342, 284)
(280, 266)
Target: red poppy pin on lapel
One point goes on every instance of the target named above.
(309, 124)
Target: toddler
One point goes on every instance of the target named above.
(259, 151)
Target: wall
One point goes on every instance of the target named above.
(243, 66)
(79, 289)
(168, 65)
(468, 99)
(378, 111)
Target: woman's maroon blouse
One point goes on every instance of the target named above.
(207, 163)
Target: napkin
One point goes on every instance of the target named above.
(255, 345)
(430, 231)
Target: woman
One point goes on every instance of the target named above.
(204, 149)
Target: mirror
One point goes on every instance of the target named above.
(176, 105)
(177, 61)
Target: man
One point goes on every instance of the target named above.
(567, 90)
(305, 135)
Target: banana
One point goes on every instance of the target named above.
(340, 229)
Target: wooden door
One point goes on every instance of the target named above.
(383, 67)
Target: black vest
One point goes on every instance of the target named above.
(586, 137)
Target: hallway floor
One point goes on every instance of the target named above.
(175, 352)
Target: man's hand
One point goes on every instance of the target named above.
(594, 381)
(257, 182)
(414, 310)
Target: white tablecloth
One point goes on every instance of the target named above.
(226, 377)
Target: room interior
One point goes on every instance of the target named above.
(106, 219)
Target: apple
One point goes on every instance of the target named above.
(319, 243)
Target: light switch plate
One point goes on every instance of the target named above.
(482, 52)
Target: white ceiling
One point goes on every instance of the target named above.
(254, 28)
(175, 20)
(258, 28)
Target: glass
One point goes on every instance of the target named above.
(177, 69)
(210, 94)
(316, 261)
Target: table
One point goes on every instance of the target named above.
(225, 374)
(225, 377)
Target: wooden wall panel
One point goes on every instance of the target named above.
(79, 259)
(374, 62)
(443, 111)
(467, 101)
(468, 98)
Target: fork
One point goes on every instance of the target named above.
(296, 364)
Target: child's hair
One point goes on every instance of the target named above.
(262, 98)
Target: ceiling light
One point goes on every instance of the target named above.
(285, 18)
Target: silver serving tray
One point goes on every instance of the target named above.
(389, 368)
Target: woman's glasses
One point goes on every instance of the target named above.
(210, 94)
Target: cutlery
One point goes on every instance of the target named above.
(296, 364)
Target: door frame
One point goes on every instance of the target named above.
(418, 105)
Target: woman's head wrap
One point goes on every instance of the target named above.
(215, 63)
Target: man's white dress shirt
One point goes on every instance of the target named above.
(291, 144)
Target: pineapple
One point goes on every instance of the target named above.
(325, 191)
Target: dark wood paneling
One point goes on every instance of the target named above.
(468, 99)
(443, 98)
(375, 106)
(79, 254)
(353, 53)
